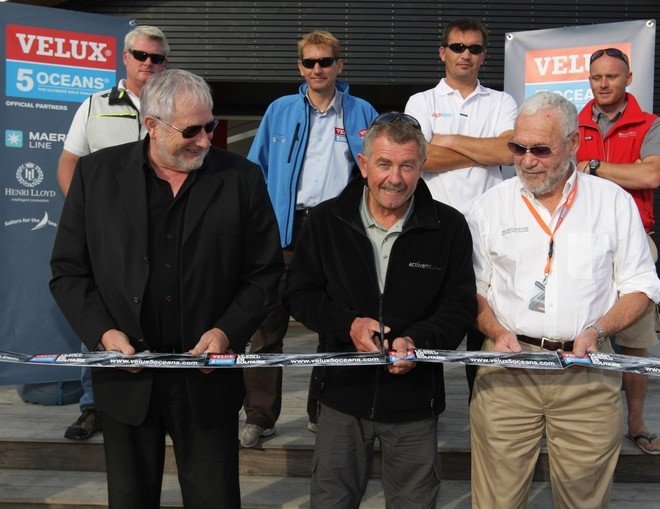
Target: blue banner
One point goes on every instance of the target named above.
(53, 60)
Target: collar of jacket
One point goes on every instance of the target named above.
(347, 207)
(342, 86)
(633, 114)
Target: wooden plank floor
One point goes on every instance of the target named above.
(86, 490)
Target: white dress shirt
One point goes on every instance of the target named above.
(485, 113)
(600, 251)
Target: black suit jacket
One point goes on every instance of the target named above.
(230, 268)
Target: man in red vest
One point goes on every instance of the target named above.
(621, 143)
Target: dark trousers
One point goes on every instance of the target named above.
(475, 341)
(207, 459)
(263, 386)
(344, 452)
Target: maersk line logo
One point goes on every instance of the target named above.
(13, 139)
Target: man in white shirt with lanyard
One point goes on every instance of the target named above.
(106, 119)
(562, 263)
(467, 126)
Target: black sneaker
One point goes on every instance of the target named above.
(87, 424)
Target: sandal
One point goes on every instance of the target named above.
(649, 438)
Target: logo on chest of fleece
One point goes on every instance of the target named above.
(423, 266)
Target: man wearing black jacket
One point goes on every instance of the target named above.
(383, 257)
(155, 251)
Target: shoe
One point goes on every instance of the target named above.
(311, 426)
(649, 439)
(87, 424)
(252, 433)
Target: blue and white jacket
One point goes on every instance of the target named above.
(280, 144)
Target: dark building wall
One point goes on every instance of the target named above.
(247, 50)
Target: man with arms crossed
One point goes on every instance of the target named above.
(561, 262)
(307, 147)
(107, 119)
(155, 252)
(382, 258)
(621, 143)
(467, 126)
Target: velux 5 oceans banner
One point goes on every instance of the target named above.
(557, 59)
(53, 60)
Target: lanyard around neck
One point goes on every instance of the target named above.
(551, 233)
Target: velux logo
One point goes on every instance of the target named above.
(28, 43)
(60, 47)
(562, 64)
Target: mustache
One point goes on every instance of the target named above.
(392, 188)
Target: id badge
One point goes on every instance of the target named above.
(537, 302)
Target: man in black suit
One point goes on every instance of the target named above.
(168, 245)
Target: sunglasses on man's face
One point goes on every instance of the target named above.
(394, 116)
(309, 63)
(141, 56)
(458, 47)
(612, 52)
(192, 130)
(536, 150)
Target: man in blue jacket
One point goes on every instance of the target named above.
(307, 147)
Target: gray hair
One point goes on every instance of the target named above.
(399, 131)
(150, 32)
(165, 89)
(555, 102)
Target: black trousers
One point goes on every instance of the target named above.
(207, 459)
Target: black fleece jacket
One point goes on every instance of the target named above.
(429, 295)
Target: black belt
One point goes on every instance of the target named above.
(548, 344)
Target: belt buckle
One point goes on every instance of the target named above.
(543, 340)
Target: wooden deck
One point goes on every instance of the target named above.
(39, 468)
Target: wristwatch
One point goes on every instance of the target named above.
(594, 164)
(602, 335)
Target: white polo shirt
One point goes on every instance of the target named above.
(600, 250)
(485, 113)
(77, 141)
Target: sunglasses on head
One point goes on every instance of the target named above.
(395, 116)
(141, 56)
(459, 47)
(309, 63)
(612, 52)
(192, 130)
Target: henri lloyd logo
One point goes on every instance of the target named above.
(30, 175)
(44, 63)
